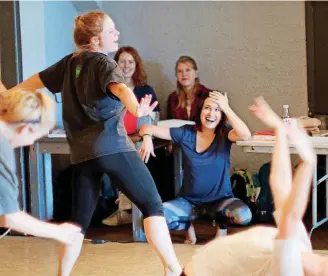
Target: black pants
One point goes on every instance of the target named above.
(130, 176)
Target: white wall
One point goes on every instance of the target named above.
(47, 36)
(59, 27)
(244, 48)
(32, 37)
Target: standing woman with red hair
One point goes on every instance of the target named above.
(95, 98)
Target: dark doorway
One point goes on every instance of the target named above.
(317, 56)
(11, 72)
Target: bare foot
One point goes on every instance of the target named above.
(263, 111)
(191, 236)
(188, 241)
(299, 138)
(221, 232)
(173, 273)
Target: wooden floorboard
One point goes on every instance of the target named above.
(205, 232)
(38, 257)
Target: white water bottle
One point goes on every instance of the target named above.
(286, 118)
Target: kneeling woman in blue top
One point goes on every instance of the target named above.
(206, 187)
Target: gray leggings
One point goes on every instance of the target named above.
(180, 212)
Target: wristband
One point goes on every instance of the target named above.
(147, 134)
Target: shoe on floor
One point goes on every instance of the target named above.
(123, 202)
(118, 218)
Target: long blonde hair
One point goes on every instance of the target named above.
(23, 106)
(182, 96)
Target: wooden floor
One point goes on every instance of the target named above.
(205, 232)
(119, 256)
(38, 257)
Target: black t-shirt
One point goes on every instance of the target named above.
(92, 115)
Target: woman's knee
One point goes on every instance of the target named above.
(242, 216)
(82, 223)
(152, 208)
(173, 221)
(236, 211)
(170, 217)
(177, 218)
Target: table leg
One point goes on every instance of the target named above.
(326, 186)
(137, 219)
(314, 197)
(35, 181)
(316, 182)
(137, 225)
(48, 187)
(178, 171)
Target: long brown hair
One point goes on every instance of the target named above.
(88, 25)
(182, 96)
(198, 124)
(139, 77)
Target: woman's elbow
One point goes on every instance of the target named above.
(246, 135)
(9, 220)
(5, 221)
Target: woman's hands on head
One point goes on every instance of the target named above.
(220, 99)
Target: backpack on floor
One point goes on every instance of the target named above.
(244, 185)
(254, 190)
(265, 201)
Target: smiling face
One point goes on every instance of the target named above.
(186, 75)
(210, 115)
(127, 64)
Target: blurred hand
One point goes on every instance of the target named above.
(146, 149)
(67, 233)
(299, 138)
(144, 107)
(263, 111)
